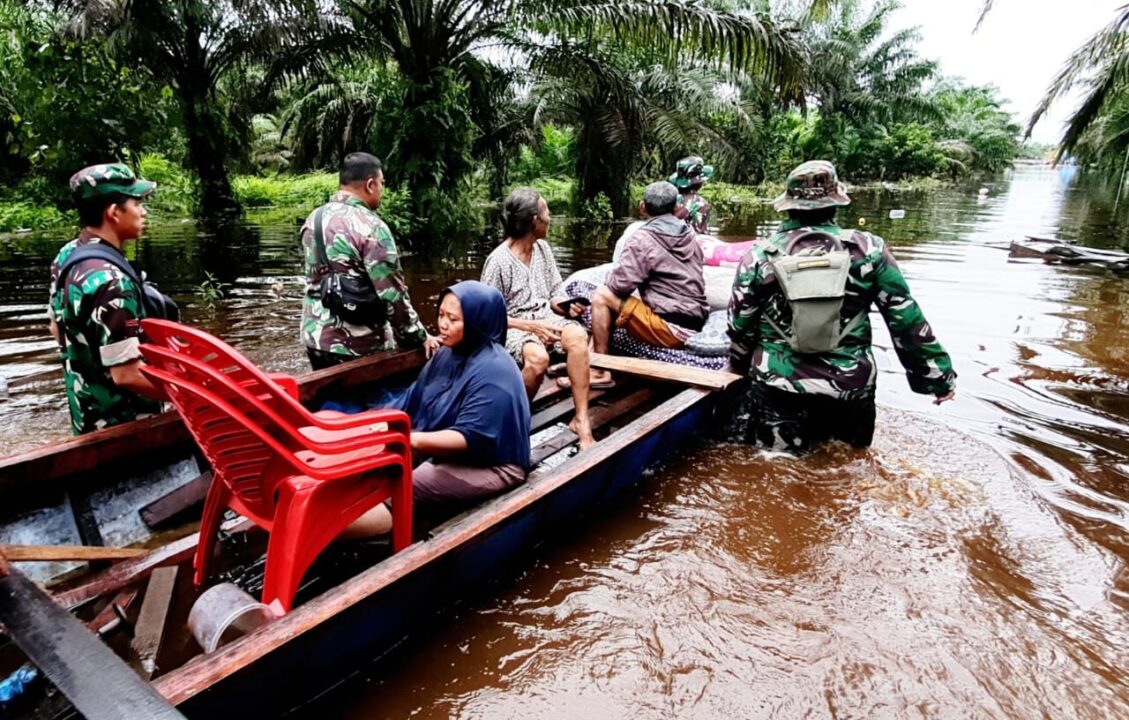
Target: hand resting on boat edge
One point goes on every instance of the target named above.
(469, 412)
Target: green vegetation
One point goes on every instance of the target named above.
(26, 207)
(19, 214)
(211, 291)
(250, 104)
(1098, 131)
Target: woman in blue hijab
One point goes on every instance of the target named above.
(469, 411)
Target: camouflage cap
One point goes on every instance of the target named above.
(108, 178)
(691, 172)
(811, 186)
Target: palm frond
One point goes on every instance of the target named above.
(1101, 63)
(670, 27)
(984, 10)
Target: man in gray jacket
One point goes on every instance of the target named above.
(663, 261)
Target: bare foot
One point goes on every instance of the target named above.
(583, 431)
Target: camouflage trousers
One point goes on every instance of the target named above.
(320, 359)
(795, 422)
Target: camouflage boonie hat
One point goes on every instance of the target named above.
(691, 172)
(108, 178)
(811, 186)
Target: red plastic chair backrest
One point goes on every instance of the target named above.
(217, 354)
(248, 459)
(261, 408)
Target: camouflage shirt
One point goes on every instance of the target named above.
(848, 372)
(97, 311)
(695, 210)
(358, 243)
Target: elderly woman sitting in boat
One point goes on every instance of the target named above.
(469, 411)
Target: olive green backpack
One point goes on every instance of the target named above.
(814, 282)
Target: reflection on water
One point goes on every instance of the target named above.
(972, 564)
(886, 583)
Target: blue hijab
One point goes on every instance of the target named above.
(475, 388)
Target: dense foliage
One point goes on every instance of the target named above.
(463, 98)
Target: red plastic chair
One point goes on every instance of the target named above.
(302, 441)
(280, 391)
(275, 414)
(304, 499)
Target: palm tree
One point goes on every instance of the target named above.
(856, 72)
(336, 111)
(1101, 65)
(631, 111)
(862, 81)
(442, 48)
(503, 117)
(191, 45)
(974, 128)
(16, 24)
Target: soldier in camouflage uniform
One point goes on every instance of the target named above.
(357, 243)
(689, 177)
(798, 399)
(95, 311)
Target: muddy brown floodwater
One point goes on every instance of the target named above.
(971, 564)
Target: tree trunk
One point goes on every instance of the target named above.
(207, 155)
(432, 154)
(600, 172)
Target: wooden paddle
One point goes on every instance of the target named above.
(695, 377)
(61, 553)
(81, 666)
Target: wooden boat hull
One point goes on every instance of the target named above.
(1060, 253)
(323, 641)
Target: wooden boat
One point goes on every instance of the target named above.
(58, 494)
(1061, 253)
(341, 624)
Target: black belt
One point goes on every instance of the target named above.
(682, 320)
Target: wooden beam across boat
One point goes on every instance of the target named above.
(67, 553)
(138, 568)
(657, 370)
(80, 665)
(186, 497)
(166, 431)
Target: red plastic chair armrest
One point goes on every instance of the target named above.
(400, 442)
(397, 420)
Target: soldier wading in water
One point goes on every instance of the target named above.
(800, 330)
(96, 302)
(355, 250)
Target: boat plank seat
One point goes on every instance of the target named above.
(303, 493)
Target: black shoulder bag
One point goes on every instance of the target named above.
(352, 299)
(157, 304)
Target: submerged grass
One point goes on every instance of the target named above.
(287, 196)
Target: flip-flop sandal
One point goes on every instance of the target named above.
(565, 383)
(557, 370)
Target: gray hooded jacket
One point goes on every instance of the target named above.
(663, 261)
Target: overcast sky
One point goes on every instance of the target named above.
(1019, 48)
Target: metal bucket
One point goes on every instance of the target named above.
(224, 613)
